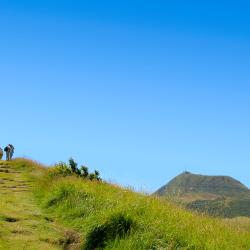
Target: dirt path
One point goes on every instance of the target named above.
(22, 224)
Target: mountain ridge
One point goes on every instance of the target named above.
(215, 194)
(205, 180)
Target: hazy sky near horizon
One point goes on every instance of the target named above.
(140, 90)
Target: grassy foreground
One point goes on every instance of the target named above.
(22, 223)
(102, 215)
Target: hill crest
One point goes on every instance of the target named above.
(216, 195)
(187, 182)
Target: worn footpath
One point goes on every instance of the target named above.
(22, 224)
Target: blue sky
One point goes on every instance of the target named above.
(140, 90)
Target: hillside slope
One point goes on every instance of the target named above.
(22, 223)
(96, 215)
(216, 195)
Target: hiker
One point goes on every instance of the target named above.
(1, 154)
(9, 150)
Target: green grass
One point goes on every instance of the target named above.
(22, 223)
(107, 216)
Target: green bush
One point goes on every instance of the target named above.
(84, 171)
(60, 169)
(73, 167)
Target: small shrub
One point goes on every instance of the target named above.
(97, 175)
(63, 169)
(84, 171)
(92, 176)
(60, 169)
(73, 166)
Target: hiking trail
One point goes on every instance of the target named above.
(22, 223)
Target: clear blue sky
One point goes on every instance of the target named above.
(140, 90)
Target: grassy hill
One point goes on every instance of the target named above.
(23, 225)
(56, 212)
(215, 195)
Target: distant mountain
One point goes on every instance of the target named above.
(216, 195)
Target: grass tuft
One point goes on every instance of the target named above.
(117, 226)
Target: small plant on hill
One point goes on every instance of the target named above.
(97, 175)
(91, 176)
(73, 166)
(84, 171)
(60, 169)
(64, 169)
(94, 176)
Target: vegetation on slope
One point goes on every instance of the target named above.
(22, 223)
(110, 217)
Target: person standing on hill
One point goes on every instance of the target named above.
(1, 154)
(9, 150)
